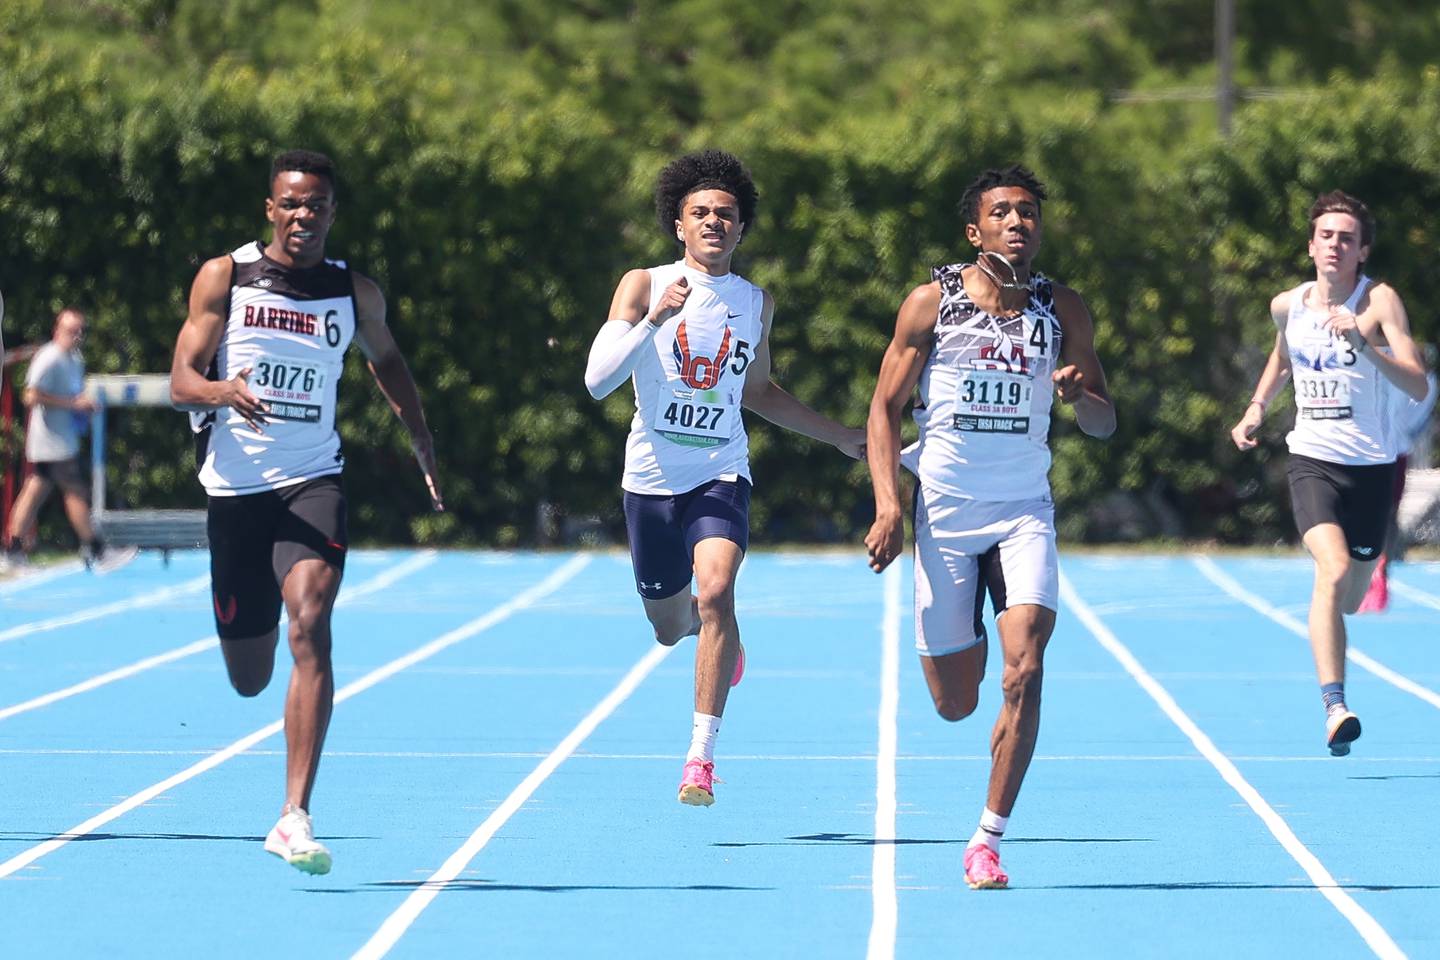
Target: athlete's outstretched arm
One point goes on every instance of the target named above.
(392, 375)
(767, 398)
(900, 370)
(1081, 381)
(1385, 315)
(195, 348)
(1272, 379)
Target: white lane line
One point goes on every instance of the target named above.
(1369, 929)
(347, 595)
(421, 897)
(524, 599)
(44, 575)
(883, 903)
(729, 757)
(151, 599)
(1231, 586)
(1415, 595)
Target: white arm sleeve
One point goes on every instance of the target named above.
(614, 354)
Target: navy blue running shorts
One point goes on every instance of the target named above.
(664, 530)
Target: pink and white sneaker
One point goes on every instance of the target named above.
(697, 784)
(739, 667)
(292, 839)
(982, 869)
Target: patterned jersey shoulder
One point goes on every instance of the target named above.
(324, 281)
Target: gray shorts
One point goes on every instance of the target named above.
(68, 475)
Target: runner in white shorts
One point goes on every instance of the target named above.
(984, 342)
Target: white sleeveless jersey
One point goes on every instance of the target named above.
(687, 428)
(291, 327)
(984, 404)
(1342, 409)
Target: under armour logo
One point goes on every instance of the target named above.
(226, 615)
(650, 586)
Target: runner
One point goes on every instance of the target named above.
(695, 338)
(258, 360)
(1342, 336)
(985, 343)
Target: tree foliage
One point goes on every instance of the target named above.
(497, 160)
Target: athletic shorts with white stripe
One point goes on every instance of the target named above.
(964, 548)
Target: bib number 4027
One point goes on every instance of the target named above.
(694, 416)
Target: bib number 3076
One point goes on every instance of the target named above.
(291, 390)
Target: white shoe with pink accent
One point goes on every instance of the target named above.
(292, 839)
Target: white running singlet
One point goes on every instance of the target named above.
(1341, 408)
(985, 393)
(291, 327)
(687, 428)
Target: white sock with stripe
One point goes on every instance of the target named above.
(702, 737)
(991, 829)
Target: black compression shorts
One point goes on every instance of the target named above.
(1360, 499)
(254, 541)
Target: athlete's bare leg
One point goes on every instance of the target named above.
(1024, 632)
(77, 510)
(309, 591)
(27, 506)
(674, 617)
(717, 561)
(954, 680)
(1340, 584)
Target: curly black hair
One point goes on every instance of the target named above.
(1014, 175)
(305, 161)
(707, 170)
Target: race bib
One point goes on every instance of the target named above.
(1323, 397)
(694, 418)
(291, 389)
(992, 401)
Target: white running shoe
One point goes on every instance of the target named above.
(292, 839)
(111, 558)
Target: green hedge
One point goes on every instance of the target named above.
(498, 197)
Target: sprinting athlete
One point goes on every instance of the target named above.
(1340, 336)
(986, 343)
(258, 360)
(694, 337)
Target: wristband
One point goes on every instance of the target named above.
(1262, 404)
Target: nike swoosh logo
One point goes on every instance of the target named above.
(730, 316)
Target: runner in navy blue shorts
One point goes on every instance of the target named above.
(695, 339)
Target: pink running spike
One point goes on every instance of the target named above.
(982, 869)
(697, 785)
(1377, 595)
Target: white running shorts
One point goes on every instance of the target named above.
(964, 547)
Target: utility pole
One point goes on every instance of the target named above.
(1225, 62)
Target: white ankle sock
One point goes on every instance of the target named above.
(702, 737)
(991, 829)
